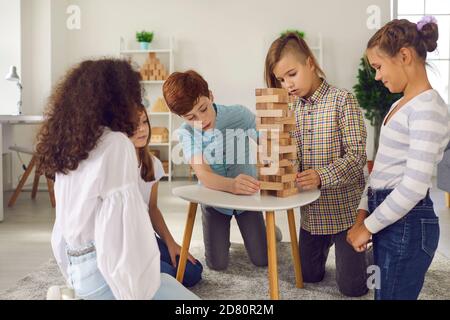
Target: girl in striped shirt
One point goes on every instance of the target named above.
(396, 204)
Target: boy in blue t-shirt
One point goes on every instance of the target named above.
(208, 138)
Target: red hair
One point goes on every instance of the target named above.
(182, 90)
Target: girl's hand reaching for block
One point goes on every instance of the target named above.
(245, 185)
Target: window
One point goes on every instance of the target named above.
(439, 61)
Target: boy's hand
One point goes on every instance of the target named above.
(308, 179)
(244, 184)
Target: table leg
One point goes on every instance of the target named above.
(51, 192)
(272, 256)
(447, 199)
(37, 176)
(295, 249)
(22, 181)
(186, 240)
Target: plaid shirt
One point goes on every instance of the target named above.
(331, 138)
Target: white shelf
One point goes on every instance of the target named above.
(164, 144)
(159, 113)
(124, 51)
(146, 51)
(152, 81)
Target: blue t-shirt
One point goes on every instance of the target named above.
(225, 147)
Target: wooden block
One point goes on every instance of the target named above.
(272, 106)
(269, 127)
(288, 149)
(267, 148)
(269, 171)
(271, 186)
(265, 193)
(272, 99)
(268, 134)
(287, 193)
(266, 120)
(271, 113)
(286, 177)
(270, 91)
(285, 121)
(290, 169)
(283, 163)
(289, 185)
(285, 142)
(289, 127)
(290, 156)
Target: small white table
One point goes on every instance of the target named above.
(196, 194)
(6, 123)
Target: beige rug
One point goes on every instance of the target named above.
(243, 281)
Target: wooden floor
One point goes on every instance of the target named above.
(25, 232)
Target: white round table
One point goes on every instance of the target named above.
(196, 194)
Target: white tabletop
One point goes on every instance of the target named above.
(200, 194)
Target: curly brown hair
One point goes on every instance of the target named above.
(93, 95)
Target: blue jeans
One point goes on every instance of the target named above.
(404, 250)
(89, 284)
(193, 272)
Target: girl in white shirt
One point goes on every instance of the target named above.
(150, 172)
(103, 240)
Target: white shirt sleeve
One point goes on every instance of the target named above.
(127, 253)
(158, 169)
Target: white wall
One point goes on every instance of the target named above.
(226, 41)
(9, 53)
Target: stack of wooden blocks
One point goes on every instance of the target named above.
(153, 69)
(277, 151)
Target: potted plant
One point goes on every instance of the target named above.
(374, 98)
(300, 34)
(144, 38)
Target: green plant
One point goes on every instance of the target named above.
(144, 36)
(301, 34)
(373, 97)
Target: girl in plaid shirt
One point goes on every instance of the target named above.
(331, 139)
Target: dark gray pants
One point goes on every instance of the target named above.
(216, 236)
(351, 266)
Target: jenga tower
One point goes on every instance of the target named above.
(276, 149)
(153, 69)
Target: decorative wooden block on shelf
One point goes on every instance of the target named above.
(153, 69)
(160, 106)
(159, 135)
(165, 166)
(276, 150)
(154, 152)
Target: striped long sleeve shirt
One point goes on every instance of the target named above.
(411, 145)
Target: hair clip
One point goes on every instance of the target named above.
(424, 21)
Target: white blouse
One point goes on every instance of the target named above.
(101, 202)
(146, 187)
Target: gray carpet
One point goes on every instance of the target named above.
(244, 281)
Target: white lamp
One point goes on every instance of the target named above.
(13, 76)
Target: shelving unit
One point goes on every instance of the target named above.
(318, 49)
(163, 119)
